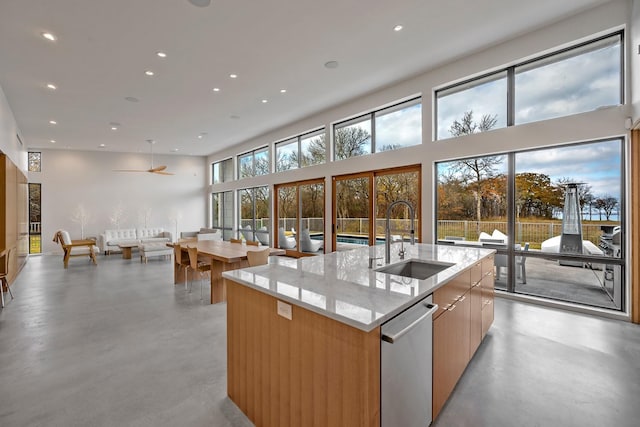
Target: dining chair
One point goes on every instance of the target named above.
(3, 276)
(235, 240)
(182, 261)
(199, 266)
(258, 257)
(252, 242)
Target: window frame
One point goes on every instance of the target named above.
(223, 167)
(371, 117)
(252, 154)
(511, 73)
(298, 141)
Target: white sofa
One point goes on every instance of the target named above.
(108, 241)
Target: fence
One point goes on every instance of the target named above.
(533, 232)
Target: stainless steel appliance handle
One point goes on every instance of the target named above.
(391, 338)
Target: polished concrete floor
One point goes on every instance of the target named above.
(120, 345)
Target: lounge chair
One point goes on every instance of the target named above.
(307, 244)
(247, 232)
(262, 234)
(284, 241)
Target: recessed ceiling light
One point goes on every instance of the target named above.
(264, 101)
(161, 54)
(200, 3)
(101, 146)
(283, 91)
(132, 99)
(398, 28)
(52, 86)
(149, 73)
(114, 127)
(233, 76)
(216, 89)
(175, 149)
(53, 141)
(331, 64)
(199, 136)
(53, 122)
(49, 36)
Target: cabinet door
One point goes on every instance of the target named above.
(450, 350)
(475, 312)
(488, 292)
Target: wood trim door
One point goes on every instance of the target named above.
(635, 226)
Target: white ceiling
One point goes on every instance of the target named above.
(104, 48)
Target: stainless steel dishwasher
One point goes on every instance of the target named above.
(406, 367)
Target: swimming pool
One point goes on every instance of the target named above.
(358, 240)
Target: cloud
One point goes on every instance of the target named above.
(402, 127)
(596, 164)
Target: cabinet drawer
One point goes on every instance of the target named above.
(447, 295)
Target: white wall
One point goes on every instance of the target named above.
(9, 143)
(71, 178)
(597, 124)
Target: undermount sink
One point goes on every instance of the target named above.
(415, 269)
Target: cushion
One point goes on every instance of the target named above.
(143, 233)
(117, 242)
(154, 239)
(154, 247)
(66, 239)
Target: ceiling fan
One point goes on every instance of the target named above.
(160, 170)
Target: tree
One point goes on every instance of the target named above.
(475, 170)
(536, 196)
(350, 142)
(466, 125)
(607, 204)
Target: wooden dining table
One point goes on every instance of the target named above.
(223, 255)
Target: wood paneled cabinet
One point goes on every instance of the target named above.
(14, 229)
(488, 292)
(459, 326)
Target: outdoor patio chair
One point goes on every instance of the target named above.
(284, 241)
(520, 264)
(307, 244)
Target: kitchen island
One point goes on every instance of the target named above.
(303, 335)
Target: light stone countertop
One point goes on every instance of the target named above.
(339, 285)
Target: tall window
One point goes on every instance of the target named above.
(35, 159)
(300, 212)
(576, 80)
(253, 163)
(559, 235)
(222, 213)
(361, 202)
(386, 129)
(35, 218)
(304, 150)
(475, 106)
(254, 213)
(222, 171)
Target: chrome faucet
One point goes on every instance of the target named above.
(387, 233)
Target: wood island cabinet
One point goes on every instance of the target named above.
(289, 365)
(464, 317)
